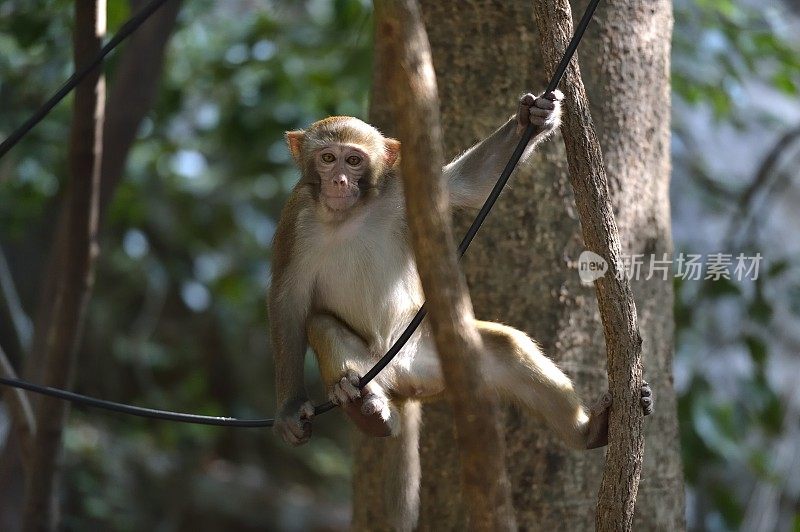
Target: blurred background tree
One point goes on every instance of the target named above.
(178, 314)
(178, 321)
(736, 157)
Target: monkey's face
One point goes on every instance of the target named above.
(341, 167)
(345, 161)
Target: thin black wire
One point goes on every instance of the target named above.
(398, 344)
(135, 410)
(125, 31)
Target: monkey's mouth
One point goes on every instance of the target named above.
(339, 202)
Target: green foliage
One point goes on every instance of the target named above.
(177, 319)
(728, 428)
(719, 44)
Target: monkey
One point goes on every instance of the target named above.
(345, 283)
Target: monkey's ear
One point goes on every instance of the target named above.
(392, 149)
(295, 141)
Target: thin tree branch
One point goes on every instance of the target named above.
(766, 179)
(589, 182)
(18, 405)
(415, 105)
(75, 275)
(9, 299)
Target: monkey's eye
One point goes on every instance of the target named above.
(354, 160)
(327, 158)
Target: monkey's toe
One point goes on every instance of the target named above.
(647, 399)
(375, 404)
(544, 104)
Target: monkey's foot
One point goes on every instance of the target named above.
(373, 414)
(597, 426)
(369, 408)
(646, 399)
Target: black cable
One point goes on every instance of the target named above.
(398, 344)
(129, 27)
(134, 410)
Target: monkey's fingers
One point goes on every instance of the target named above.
(527, 100)
(601, 405)
(295, 432)
(597, 426)
(352, 377)
(523, 111)
(537, 112)
(544, 103)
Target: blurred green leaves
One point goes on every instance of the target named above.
(721, 44)
(729, 58)
(178, 317)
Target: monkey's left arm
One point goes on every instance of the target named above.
(472, 175)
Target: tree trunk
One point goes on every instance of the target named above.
(76, 256)
(521, 267)
(587, 173)
(414, 100)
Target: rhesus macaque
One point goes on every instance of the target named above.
(344, 281)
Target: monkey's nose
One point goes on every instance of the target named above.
(340, 181)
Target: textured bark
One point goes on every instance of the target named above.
(75, 274)
(414, 101)
(522, 265)
(587, 173)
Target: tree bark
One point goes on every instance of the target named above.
(75, 275)
(414, 101)
(587, 174)
(521, 267)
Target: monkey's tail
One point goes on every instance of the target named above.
(403, 473)
(389, 497)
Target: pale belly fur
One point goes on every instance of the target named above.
(362, 271)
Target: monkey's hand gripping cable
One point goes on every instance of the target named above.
(399, 343)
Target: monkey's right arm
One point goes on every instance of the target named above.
(288, 309)
(472, 175)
